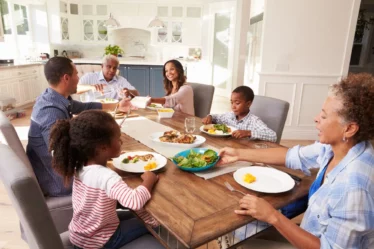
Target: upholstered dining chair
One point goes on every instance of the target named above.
(60, 207)
(203, 98)
(28, 200)
(273, 112)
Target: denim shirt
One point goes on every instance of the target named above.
(50, 107)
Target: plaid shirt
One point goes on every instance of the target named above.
(259, 129)
(341, 212)
(50, 107)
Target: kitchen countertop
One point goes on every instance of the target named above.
(22, 64)
(122, 61)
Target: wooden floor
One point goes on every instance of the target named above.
(9, 226)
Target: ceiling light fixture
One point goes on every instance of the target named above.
(156, 23)
(111, 22)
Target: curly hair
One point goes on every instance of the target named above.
(73, 142)
(357, 95)
(168, 86)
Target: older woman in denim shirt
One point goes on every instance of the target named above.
(340, 211)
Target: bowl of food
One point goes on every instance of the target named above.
(108, 103)
(197, 159)
(165, 112)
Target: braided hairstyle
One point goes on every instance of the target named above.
(73, 142)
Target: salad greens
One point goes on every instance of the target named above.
(221, 127)
(196, 160)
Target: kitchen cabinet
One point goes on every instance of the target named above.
(182, 25)
(138, 76)
(156, 81)
(148, 80)
(24, 83)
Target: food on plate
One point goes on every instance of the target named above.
(165, 110)
(248, 178)
(196, 160)
(219, 129)
(136, 158)
(107, 100)
(155, 106)
(176, 137)
(151, 165)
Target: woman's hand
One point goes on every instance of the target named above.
(125, 105)
(257, 208)
(228, 155)
(241, 134)
(207, 120)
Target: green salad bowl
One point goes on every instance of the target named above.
(190, 167)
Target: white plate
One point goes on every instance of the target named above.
(138, 167)
(155, 137)
(218, 135)
(268, 180)
(158, 106)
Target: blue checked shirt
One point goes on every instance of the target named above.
(50, 107)
(259, 129)
(341, 212)
(118, 82)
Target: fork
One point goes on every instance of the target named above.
(231, 188)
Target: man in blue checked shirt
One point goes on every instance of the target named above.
(54, 104)
(340, 211)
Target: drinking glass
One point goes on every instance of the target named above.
(189, 125)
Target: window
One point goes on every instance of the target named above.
(5, 17)
(20, 19)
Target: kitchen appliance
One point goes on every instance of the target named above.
(64, 54)
(6, 61)
(55, 52)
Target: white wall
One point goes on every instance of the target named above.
(306, 47)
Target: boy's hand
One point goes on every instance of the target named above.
(207, 120)
(241, 134)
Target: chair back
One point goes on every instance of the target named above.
(28, 200)
(203, 98)
(11, 138)
(273, 112)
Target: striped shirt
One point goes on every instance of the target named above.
(117, 83)
(96, 190)
(341, 212)
(259, 130)
(48, 108)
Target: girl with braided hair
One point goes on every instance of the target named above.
(81, 148)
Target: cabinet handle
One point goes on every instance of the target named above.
(19, 73)
(34, 71)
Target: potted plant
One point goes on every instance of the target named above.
(114, 50)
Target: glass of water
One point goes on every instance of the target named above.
(189, 125)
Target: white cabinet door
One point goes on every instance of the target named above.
(75, 32)
(191, 31)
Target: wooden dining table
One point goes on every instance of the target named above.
(193, 210)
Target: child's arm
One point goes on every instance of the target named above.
(259, 130)
(242, 134)
(219, 118)
(135, 198)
